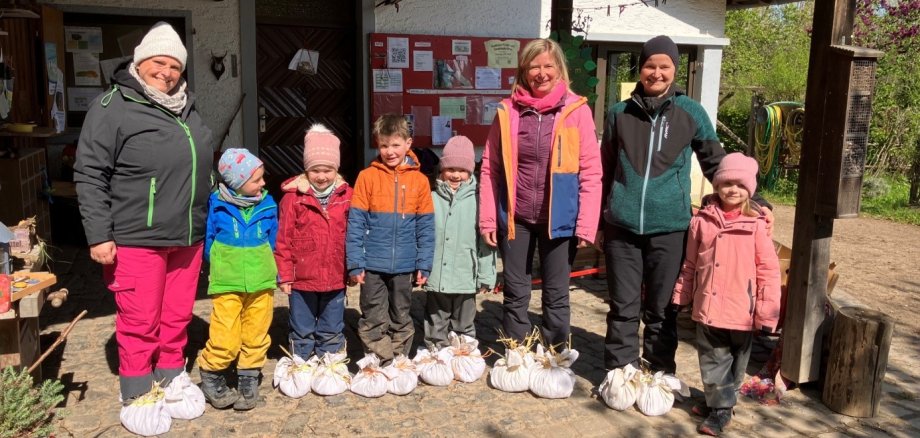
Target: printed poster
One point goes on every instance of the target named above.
(86, 69)
(441, 130)
(488, 78)
(388, 80)
(423, 60)
(78, 99)
(452, 107)
(397, 52)
(502, 53)
(461, 47)
(83, 39)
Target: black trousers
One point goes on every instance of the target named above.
(385, 326)
(633, 261)
(556, 258)
(724, 356)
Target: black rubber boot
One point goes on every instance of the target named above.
(248, 385)
(716, 422)
(215, 389)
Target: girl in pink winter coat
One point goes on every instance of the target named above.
(731, 277)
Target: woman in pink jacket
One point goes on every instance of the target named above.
(540, 187)
(731, 277)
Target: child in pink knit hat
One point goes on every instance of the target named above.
(731, 277)
(310, 251)
(456, 277)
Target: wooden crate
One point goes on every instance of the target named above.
(22, 182)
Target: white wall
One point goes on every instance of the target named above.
(217, 29)
(676, 18)
(482, 18)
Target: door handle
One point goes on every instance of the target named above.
(262, 119)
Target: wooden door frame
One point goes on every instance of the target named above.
(364, 24)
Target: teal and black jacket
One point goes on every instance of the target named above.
(646, 152)
(143, 174)
(240, 245)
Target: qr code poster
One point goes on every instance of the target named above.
(397, 52)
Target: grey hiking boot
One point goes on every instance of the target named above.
(248, 385)
(716, 422)
(215, 389)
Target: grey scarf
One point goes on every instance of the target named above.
(175, 102)
(229, 196)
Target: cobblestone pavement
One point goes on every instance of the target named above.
(87, 365)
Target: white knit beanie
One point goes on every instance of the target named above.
(161, 40)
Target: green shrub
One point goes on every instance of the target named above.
(24, 410)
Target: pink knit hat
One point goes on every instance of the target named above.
(737, 167)
(320, 147)
(458, 153)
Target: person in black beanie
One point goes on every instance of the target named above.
(646, 153)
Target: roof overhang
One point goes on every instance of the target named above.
(702, 40)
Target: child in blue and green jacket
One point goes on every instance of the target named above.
(239, 244)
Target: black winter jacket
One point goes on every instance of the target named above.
(143, 174)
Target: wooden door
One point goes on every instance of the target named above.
(289, 101)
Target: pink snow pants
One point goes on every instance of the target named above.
(154, 293)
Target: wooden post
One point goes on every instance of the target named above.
(803, 325)
(857, 362)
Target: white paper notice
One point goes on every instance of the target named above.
(422, 60)
(83, 39)
(388, 81)
(397, 52)
(461, 47)
(441, 129)
(78, 99)
(488, 78)
(86, 69)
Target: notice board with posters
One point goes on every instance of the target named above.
(444, 85)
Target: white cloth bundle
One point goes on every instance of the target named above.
(370, 381)
(621, 387)
(655, 395)
(434, 367)
(293, 376)
(512, 372)
(147, 416)
(550, 376)
(466, 360)
(331, 376)
(403, 375)
(183, 399)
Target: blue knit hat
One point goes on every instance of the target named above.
(236, 167)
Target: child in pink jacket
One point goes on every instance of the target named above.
(731, 277)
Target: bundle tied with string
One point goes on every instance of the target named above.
(331, 376)
(551, 375)
(293, 376)
(511, 372)
(403, 375)
(620, 389)
(371, 381)
(147, 415)
(434, 366)
(183, 399)
(466, 361)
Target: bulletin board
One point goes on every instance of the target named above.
(444, 85)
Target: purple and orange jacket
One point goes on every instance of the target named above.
(391, 221)
(731, 273)
(575, 172)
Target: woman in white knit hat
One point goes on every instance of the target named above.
(143, 178)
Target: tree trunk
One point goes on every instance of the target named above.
(858, 361)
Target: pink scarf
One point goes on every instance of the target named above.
(523, 97)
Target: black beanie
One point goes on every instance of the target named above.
(661, 44)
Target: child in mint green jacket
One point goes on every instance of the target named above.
(463, 263)
(239, 244)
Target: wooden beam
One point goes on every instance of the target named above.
(803, 327)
